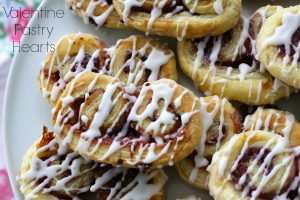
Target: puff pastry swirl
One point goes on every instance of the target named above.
(255, 165)
(226, 65)
(220, 122)
(74, 53)
(276, 121)
(50, 171)
(278, 45)
(134, 60)
(181, 19)
(153, 125)
(99, 13)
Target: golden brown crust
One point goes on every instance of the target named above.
(145, 51)
(272, 49)
(235, 167)
(63, 64)
(276, 121)
(90, 11)
(235, 74)
(25, 166)
(134, 60)
(256, 89)
(39, 187)
(49, 171)
(183, 24)
(182, 131)
(202, 7)
(221, 120)
(46, 138)
(128, 183)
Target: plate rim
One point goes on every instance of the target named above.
(7, 97)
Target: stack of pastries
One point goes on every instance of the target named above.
(120, 116)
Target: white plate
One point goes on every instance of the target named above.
(25, 111)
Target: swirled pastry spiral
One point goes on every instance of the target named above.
(134, 60)
(276, 121)
(132, 184)
(96, 12)
(220, 122)
(138, 59)
(181, 19)
(255, 165)
(50, 171)
(73, 54)
(278, 45)
(226, 65)
(153, 125)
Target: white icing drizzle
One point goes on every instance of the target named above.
(192, 10)
(101, 19)
(182, 34)
(259, 90)
(279, 84)
(69, 74)
(262, 169)
(244, 35)
(218, 6)
(208, 117)
(244, 70)
(77, 60)
(43, 172)
(161, 92)
(200, 54)
(283, 36)
(271, 120)
(144, 184)
(155, 59)
(141, 187)
(89, 13)
(176, 10)
(157, 12)
(128, 5)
